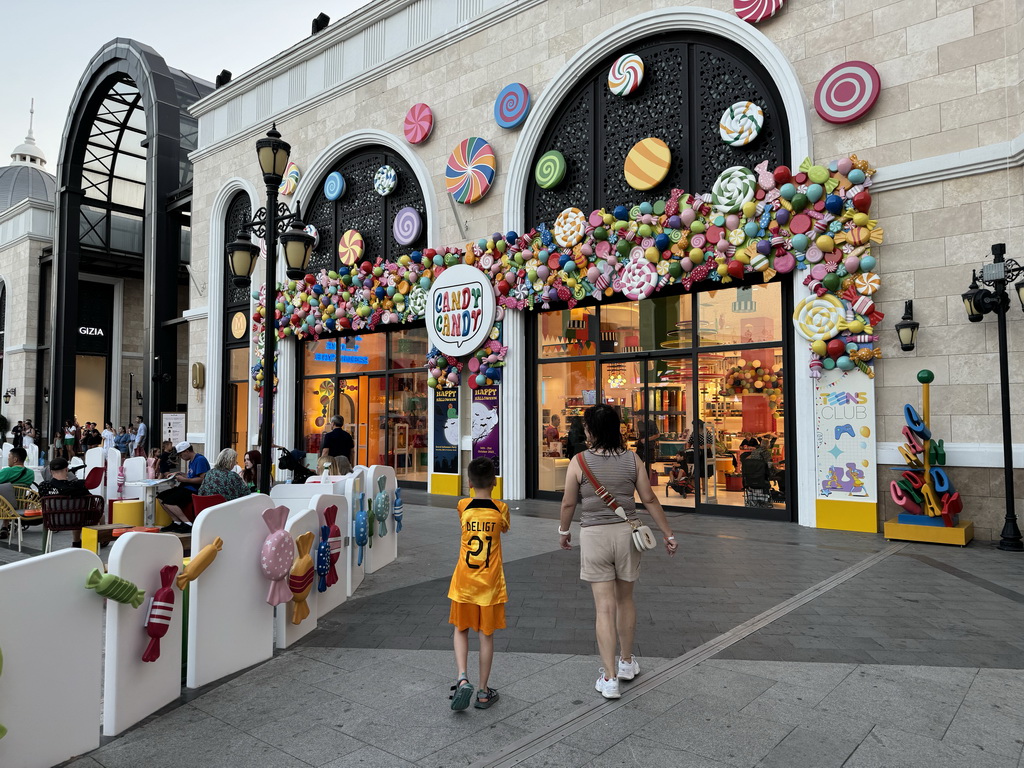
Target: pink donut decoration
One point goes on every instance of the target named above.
(756, 10)
(419, 122)
(847, 91)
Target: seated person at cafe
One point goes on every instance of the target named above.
(222, 479)
(175, 500)
(63, 483)
(16, 473)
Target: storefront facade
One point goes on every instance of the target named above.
(721, 352)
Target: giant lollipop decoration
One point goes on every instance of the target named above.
(470, 170)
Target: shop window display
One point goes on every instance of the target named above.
(565, 390)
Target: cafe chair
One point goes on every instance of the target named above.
(756, 490)
(69, 513)
(200, 503)
(94, 480)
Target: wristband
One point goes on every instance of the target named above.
(670, 538)
(563, 533)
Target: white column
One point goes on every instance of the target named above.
(513, 406)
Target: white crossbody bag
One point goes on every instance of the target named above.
(643, 538)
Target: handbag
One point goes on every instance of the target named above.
(643, 538)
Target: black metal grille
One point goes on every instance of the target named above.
(689, 81)
(239, 214)
(362, 209)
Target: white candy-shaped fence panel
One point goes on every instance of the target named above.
(93, 459)
(337, 593)
(113, 465)
(134, 471)
(32, 459)
(296, 497)
(132, 688)
(51, 635)
(351, 487)
(385, 549)
(4, 450)
(230, 625)
(286, 633)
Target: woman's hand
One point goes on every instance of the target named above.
(670, 545)
(563, 541)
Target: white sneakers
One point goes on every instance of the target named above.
(607, 688)
(628, 669)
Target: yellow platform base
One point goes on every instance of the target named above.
(959, 535)
(129, 513)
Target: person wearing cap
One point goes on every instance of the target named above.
(176, 499)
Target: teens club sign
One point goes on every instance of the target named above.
(460, 310)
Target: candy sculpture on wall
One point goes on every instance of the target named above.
(160, 611)
(398, 510)
(756, 10)
(362, 527)
(470, 170)
(382, 506)
(115, 588)
(512, 105)
(350, 247)
(550, 169)
(626, 74)
(276, 555)
(419, 122)
(199, 563)
(741, 123)
(290, 180)
(334, 186)
(647, 164)
(847, 92)
(408, 226)
(300, 580)
(385, 180)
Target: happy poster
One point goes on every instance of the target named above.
(486, 432)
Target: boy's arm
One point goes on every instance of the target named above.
(505, 519)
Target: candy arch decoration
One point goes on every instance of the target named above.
(784, 220)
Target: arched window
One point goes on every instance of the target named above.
(234, 425)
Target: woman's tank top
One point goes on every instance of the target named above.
(617, 472)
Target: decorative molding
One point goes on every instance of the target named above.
(959, 455)
(197, 313)
(956, 165)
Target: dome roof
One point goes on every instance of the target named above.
(18, 182)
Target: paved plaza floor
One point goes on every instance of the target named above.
(760, 644)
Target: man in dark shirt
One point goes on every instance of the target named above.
(17, 434)
(338, 442)
(63, 483)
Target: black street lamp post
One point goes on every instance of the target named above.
(271, 224)
(978, 302)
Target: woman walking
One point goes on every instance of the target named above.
(608, 558)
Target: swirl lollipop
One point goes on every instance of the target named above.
(733, 188)
(417, 301)
(408, 226)
(470, 170)
(550, 169)
(312, 232)
(334, 186)
(741, 123)
(639, 278)
(626, 74)
(818, 317)
(512, 105)
(290, 180)
(350, 248)
(570, 227)
(385, 180)
(419, 122)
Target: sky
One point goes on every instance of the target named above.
(50, 42)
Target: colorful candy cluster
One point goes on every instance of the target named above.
(754, 378)
(754, 221)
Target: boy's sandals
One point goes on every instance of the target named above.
(485, 698)
(463, 692)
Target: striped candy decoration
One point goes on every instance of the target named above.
(419, 122)
(470, 170)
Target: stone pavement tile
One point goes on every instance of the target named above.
(886, 747)
(920, 699)
(82, 762)
(794, 705)
(369, 757)
(638, 752)
(815, 676)
(481, 737)
(1002, 688)
(559, 755)
(997, 731)
(811, 747)
(346, 658)
(381, 686)
(312, 736)
(249, 705)
(736, 688)
(602, 735)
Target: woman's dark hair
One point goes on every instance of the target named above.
(604, 426)
(251, 475)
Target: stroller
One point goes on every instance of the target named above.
(291, 461)
(680, 480)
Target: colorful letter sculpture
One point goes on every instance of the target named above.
(300, 581)
(160, 610)
(199, 563)
(276, 555)
(382, 506)
(362, 527)
(329, 551)
(924, 491)
(115, 588)
(397, 511)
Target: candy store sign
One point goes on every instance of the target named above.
(460, 310)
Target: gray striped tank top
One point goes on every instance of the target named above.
(618, 475)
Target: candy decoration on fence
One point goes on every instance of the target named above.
(754, 11)
(323, 558)
(161, 608)
(647, 163)
(276, 555)
(385, 180)
(300, 581)
(382, 506)
(199, 563)
(419, 122)
(550, 169)
(115, 588)
(470, 170)
(741, 123)
(290, 180)
(408, 226)
(847, 92)
(512, 105)
(334, 186)
(361, 527)
(398, 510)
(626, 74)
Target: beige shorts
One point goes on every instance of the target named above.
(607, 553)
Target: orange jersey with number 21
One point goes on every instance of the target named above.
(479, 578)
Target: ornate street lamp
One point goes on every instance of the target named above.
(979, 302)
(906, 329)
(270, 223)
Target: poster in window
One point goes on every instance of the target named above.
(844, 416)
(172, 427)
(446, 430)
(486, 433)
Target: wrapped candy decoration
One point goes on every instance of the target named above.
(382, 506)
(276, 555)
(199, 563)
(160, 609)
(300, 580)
(115, 588)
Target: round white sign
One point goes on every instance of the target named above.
(460, 310)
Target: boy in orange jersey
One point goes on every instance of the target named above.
(477, 589)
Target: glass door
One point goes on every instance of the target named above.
(663, 429)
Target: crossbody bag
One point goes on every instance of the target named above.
(643, 538)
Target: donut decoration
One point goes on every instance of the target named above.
(470, 170)
(570, 226)
(334, 186)
(161, 609)
(512, 105)
(408, 226)
(290, 180)
(350, 247)
(733, 188)
(300, 577)
(626, 74)
(276, 555)
(639, 278)
(419, 122)
(741, 123)
(647, 163)
(550, 169)
(847, 92)
(755, 11)
(385, 180)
